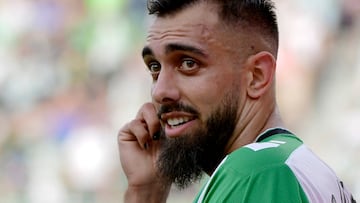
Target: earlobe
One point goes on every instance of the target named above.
(262, 71)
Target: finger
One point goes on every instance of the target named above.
(135, 130)
(149, 115)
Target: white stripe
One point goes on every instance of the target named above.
(277, 141)
(317, 180)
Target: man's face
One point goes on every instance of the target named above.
(197, 89)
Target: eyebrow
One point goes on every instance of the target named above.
(175, 47)
(147, 51)
(183, 47)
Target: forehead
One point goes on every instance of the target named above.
(195, 24)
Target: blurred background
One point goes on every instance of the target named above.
(71, 75)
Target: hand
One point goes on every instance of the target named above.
(138, 156)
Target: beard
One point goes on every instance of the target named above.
(183, 159)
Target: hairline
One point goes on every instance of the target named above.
(241, 26)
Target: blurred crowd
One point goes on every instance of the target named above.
(71, 75)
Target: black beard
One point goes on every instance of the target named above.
(183, 159)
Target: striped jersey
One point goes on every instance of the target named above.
(278, 168)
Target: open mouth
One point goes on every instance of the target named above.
(174, 122)
(177, 123)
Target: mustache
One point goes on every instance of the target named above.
(166, 108)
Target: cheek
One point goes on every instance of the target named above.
(212, 95)
(206, 93)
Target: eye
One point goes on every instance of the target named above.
(154, 68)
(189, 64)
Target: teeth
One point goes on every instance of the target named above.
(177, 121)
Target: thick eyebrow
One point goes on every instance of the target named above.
(175, 47)
(147, 51)
(186, 48)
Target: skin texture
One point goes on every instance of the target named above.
(197, 60)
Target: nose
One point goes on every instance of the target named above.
(165, 89)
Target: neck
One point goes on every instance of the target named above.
(256, 120)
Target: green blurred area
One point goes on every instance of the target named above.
(105, 6)
(71, 75)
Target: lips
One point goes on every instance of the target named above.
(174, 119)
(177, 123)
(173, 122)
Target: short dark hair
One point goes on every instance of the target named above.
(257, 15)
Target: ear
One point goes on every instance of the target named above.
(261, 74)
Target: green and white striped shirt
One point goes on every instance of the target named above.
(278, 168)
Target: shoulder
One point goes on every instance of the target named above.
(256, 173)
(272, 152)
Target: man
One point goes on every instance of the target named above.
(213, 110)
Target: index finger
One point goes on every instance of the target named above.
(149, 116)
